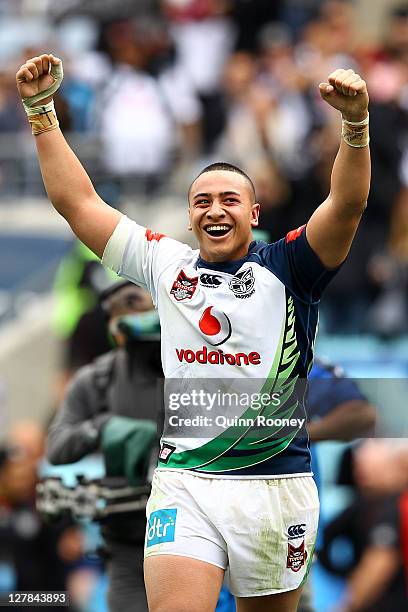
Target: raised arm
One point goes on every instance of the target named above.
(331, 228)
(68, 185)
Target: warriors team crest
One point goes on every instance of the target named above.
(242, 285)
(184, 287)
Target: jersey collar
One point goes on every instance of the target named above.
(231, 267)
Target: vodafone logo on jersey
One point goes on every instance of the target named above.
(216, 329)
(215, 326)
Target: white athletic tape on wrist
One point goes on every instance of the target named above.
(363, 122)
(39, 110)
(30, 102)
(43, 118)
(356, 133)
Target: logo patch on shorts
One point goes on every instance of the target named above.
(297, 556)
(296, 531)
(161, 526)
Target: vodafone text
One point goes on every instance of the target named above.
(218, 357)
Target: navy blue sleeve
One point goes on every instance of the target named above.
(325, 394)
(294, 262)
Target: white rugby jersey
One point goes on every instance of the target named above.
(232, 332)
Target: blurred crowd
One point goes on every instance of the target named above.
(154, 90)
(159, 88)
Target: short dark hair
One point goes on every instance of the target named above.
(225, 166)
(111, 297)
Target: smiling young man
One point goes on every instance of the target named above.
(236, 315)
(229, 195)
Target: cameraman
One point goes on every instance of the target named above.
(122, 383)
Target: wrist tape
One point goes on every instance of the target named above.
(356, 133)
(43, 118)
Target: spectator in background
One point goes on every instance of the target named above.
(122, 383)
(11, 123)
(297, 13)
(290, 124)
(253, 95)
(250, 17)
(33, 556)
(136, 126)
(75, 103)
(142, 122)
(11, 119)
(370, 461)
(247, 108)
(373, 258)
(376, 528)
(203, 36)
(274, 191)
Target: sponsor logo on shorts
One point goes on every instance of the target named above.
(297, 556)
(296, 531)
(212, 281)
(242, 285)
(161, 526)
(184, 287)
(165, 452)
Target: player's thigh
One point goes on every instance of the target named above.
(181, 584)
(270, 535)
(282, 602)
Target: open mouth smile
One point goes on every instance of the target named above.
(217, 231)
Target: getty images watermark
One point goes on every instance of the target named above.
(202, 399)
(192, 410)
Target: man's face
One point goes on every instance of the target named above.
(129, 300)
(222, 214)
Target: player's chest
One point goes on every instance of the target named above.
(251, 294)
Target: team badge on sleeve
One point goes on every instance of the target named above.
(184, 287)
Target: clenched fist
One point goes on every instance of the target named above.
(38, 75)
(347, 92)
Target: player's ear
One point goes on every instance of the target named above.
(189, 219)
(255, 214)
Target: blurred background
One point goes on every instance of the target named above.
(153, 91)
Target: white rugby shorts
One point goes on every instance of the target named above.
(262, 532)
